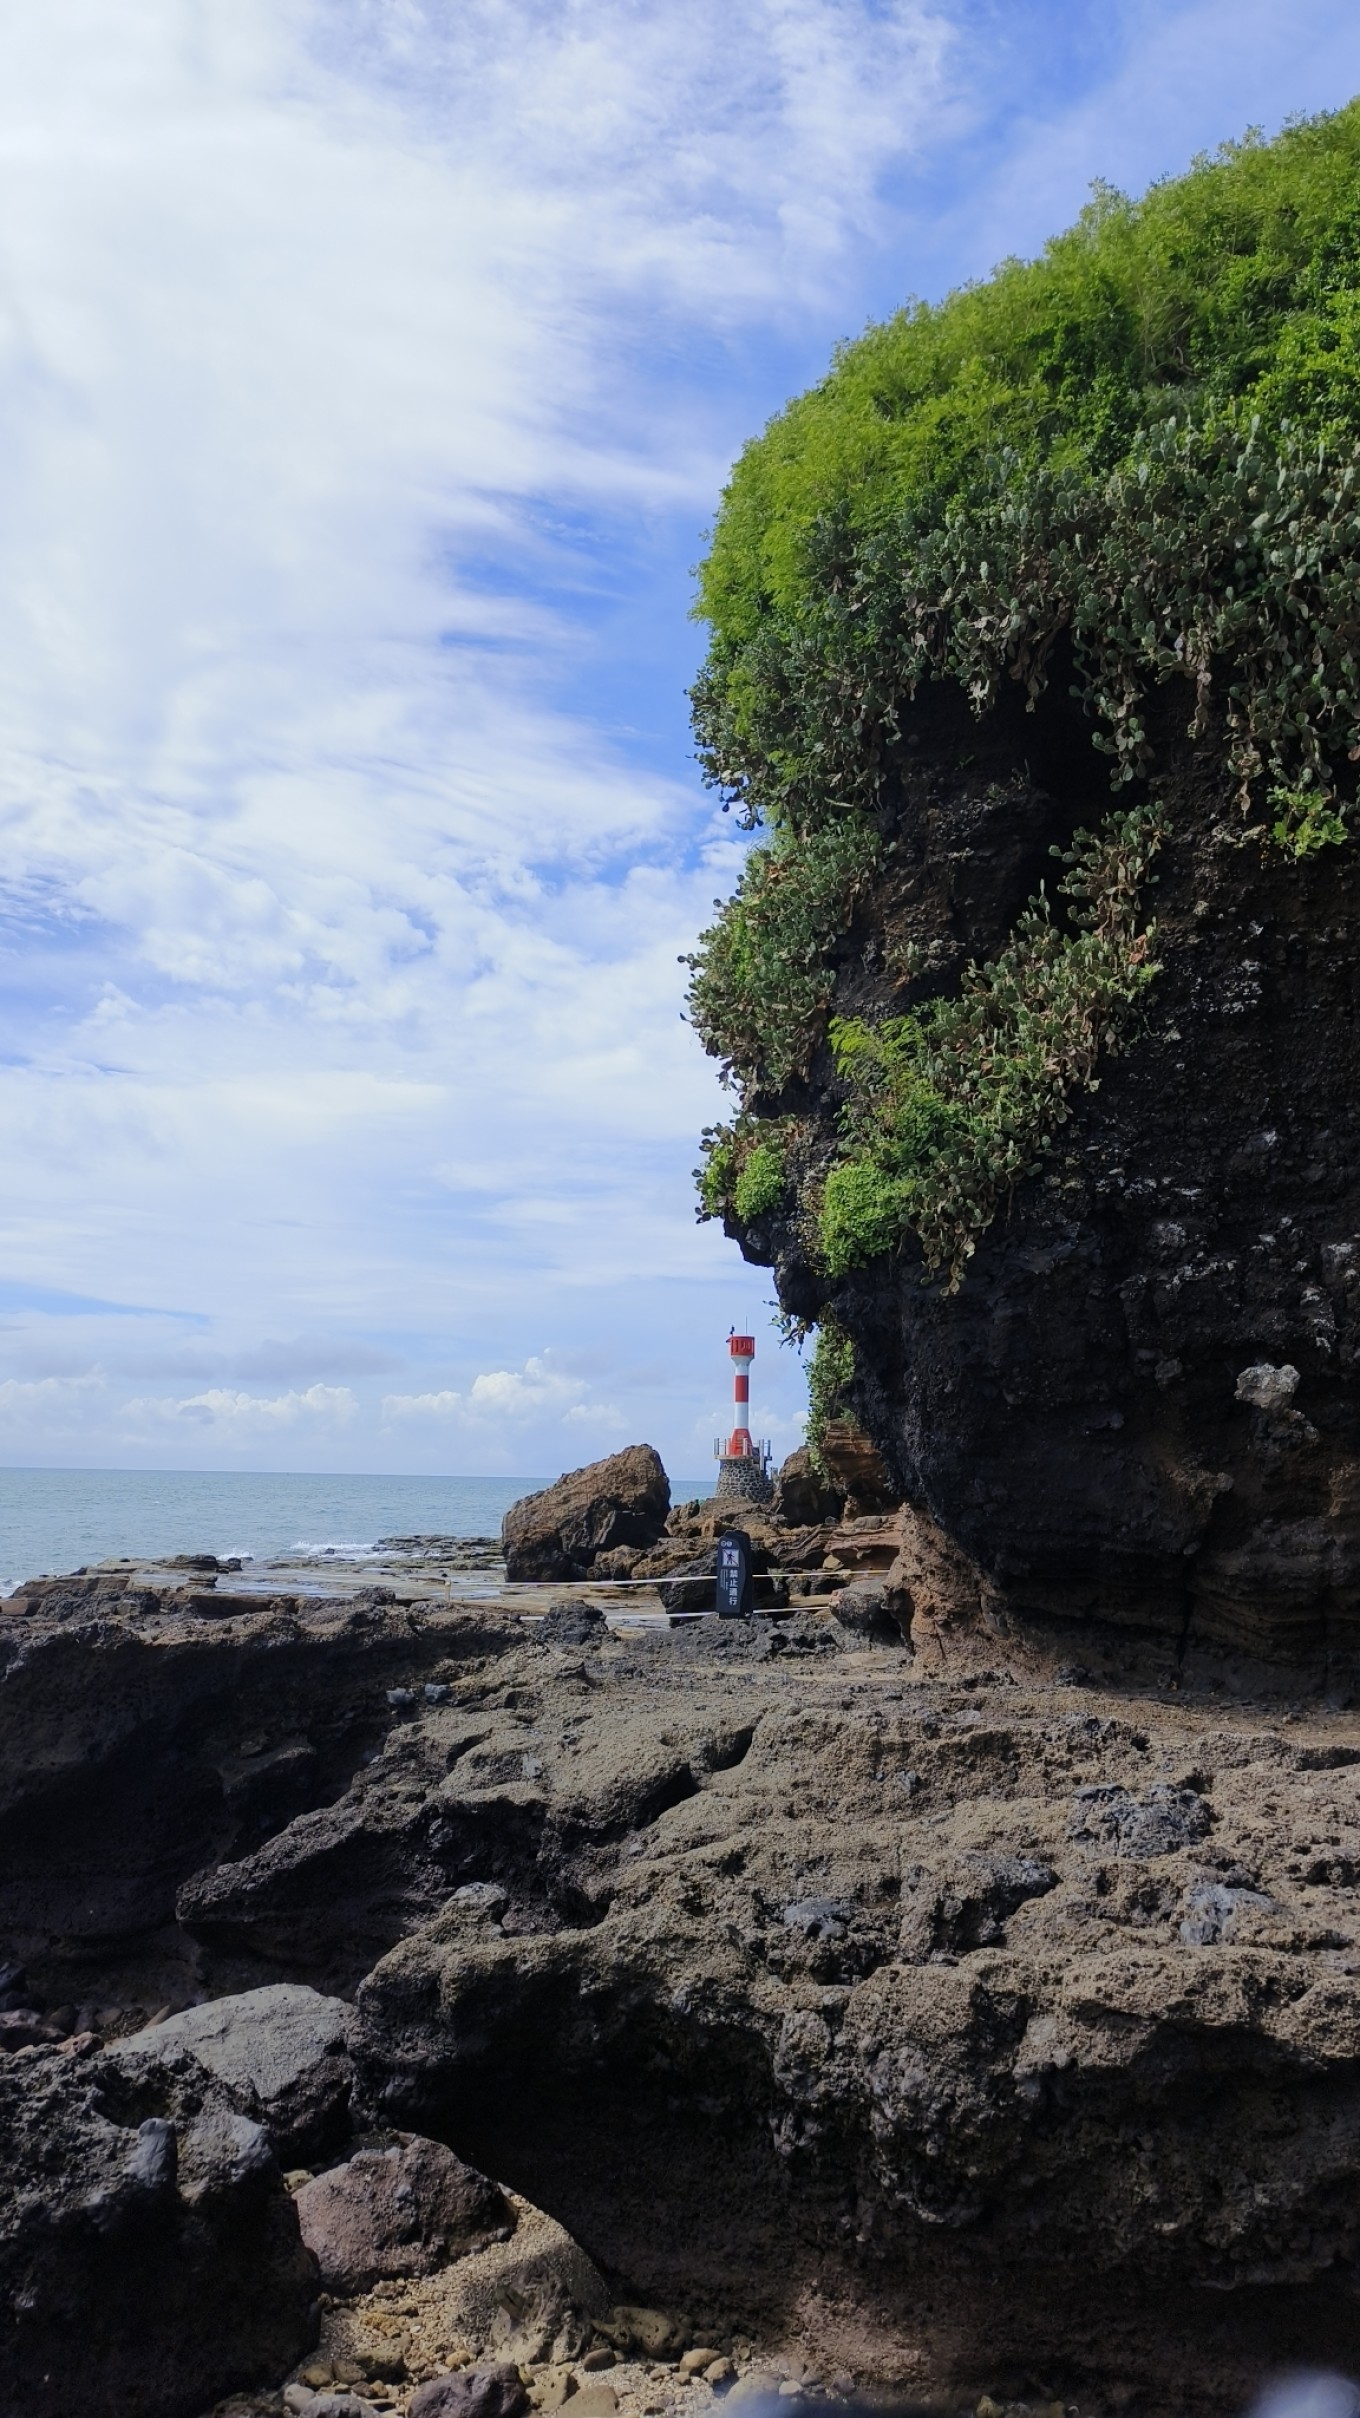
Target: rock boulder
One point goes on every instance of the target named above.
(558, 1532)
(282, 2055)
(803, 1498)
(150, 2258)
(399, 2209)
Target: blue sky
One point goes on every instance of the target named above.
(370, 372)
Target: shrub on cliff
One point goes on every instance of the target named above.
(1146, 445)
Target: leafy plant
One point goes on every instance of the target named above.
(760, 976)
(762, 1183)
(745, 1171)
(1306, 823)
(950, 1107)
(831, 1373)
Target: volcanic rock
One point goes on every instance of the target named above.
(558, 1532)
(282, 2054)
(149, 2255)
(399, 2209)
(140, 1745)
(803, 1498)
(1142, 1404)
(858, 1469)
(571, 1621)
(471, 2393)
(881, 1611)
(822, 1995)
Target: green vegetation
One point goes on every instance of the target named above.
(1147, 437)
(830, 1374)
(762, 1182)
(745, 1170)
(761, 982)
(949, 1108)
(1306, 822)
(1143, 447)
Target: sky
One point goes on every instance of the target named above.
(369, 373)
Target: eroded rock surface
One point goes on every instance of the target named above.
(1142, 1403)
(561, 1531)
(149, 2254)
(282, 2053)
(909, 2015)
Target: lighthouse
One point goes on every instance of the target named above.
(743, 1466)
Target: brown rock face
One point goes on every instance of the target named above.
(858, 1469)
(402, 2209)
(802, 1497)
(558, 1532)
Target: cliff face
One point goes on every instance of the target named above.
(1141, 1404)
(1119, 484)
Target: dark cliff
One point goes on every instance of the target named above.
(1061, 1157)
(1076, 1415)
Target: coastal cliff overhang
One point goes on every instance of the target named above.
(1038, 1002)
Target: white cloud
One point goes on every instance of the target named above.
(536, 1394)
(367, 372)
(233, 1413)
(46, 1402)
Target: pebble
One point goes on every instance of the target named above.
(436, 1691)
(722, 2372)
(400, 1698)
(696, 2360)
(601, 2357)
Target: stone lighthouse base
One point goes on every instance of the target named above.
(743, 1479)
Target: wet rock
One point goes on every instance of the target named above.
(401, 2209)
(494, 2392)
(283, 2055)
(557, 1532)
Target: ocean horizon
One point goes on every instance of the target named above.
(55, 1520)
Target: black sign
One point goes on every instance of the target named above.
(734, 1576)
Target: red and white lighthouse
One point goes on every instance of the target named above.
(743, 1351)
(743, 1465)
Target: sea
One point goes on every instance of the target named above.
(54, 1520)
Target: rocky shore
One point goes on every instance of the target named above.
(406, 1990)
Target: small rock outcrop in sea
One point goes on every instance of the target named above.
(562, 1531)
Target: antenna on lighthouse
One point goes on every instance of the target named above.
(743, 1466)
